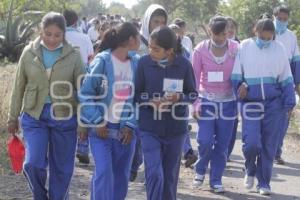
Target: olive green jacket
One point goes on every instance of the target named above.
(32, 86)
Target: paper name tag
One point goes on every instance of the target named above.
(215, 77)
(173, 85)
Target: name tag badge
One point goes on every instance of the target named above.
(173, 85)
(215, 77)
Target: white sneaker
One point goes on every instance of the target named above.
(265, 191)
(218, 188)
(248, 182)
(198, 180)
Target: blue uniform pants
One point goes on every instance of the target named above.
(162, 162)
(49, 143)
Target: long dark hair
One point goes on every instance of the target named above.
(217, 24)
(166, 38)
(54, 18)
(265, 23)
(118, 36)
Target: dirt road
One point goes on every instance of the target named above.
(285, 182)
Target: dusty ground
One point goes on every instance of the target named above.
(285, 181)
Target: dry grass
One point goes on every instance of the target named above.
(6, 80)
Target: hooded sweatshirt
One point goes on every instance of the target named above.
(145, 33)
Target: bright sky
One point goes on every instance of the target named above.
(127, 3)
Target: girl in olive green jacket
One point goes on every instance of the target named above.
(44, 100)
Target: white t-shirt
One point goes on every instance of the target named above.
(82, 41)
(93, 34)
(122, 88)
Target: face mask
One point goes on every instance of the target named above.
(218, 46)
(132, 53)
(280, 26)
(262, 44)
(232, 38)
(58, 47)
(163, 63)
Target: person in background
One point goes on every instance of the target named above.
(264, 83)
(289, 41)
(93, 30)
(192, 38)
(83, 42)
(164, 82)
(44, 98)
(154, 17)
(232, 29)
(232, 35)
(216, 110)
(107, 107)
(84, 25)
(188, 153)
(185, 41)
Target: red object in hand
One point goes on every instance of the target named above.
(16, 152)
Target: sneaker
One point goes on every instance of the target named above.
(279, 161)
(190, 160)
(265, 191)
(218, 188)
(133, 176)
(248, 182)
(84, 159)
(198, 180)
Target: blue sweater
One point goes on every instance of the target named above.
(149, 84)
(49, 59)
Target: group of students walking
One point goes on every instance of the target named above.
(133, 98)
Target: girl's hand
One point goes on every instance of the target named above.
(242, 91)
(13, 127)
(126, 135)
(157, 103)
(196, 115)
(102, 132)
(83, 136)
(173, 98)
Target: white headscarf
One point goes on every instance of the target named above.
(146, 19)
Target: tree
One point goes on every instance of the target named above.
(246, 12)
(118, 8)
(17, 32)
(197, 13)
(91, 7)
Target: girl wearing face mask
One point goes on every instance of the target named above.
(289, 41)
(213, 61)
(165, 86)
(263, 81)
(106, 98)
(44, 94)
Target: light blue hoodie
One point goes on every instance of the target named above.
(93, 86)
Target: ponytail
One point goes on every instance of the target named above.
(109, 40)
(265, 23)
(118, 36)
(179, 49)
(166, 38)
